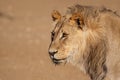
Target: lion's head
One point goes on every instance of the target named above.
(67, 37)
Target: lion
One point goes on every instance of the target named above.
(87, 37)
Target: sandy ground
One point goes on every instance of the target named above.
(25, 27)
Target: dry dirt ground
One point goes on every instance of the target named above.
(25, 27)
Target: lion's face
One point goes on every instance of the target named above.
(64, 38)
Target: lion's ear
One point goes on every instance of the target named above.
(56, 16)
(77, 18)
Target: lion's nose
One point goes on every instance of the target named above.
(52, 52)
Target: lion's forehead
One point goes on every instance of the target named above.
(61, 26)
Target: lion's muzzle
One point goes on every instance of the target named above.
(52, 56)
(52, 53)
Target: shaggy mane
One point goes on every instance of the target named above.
(96, 49)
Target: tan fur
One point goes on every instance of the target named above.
(89, 39)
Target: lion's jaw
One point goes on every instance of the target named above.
(76, 48)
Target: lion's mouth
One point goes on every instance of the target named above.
(58, 61)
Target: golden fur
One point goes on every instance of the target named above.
(88, 37)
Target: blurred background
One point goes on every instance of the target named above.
(25, 27)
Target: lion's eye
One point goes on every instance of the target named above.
(64, 35)
(52, 35)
